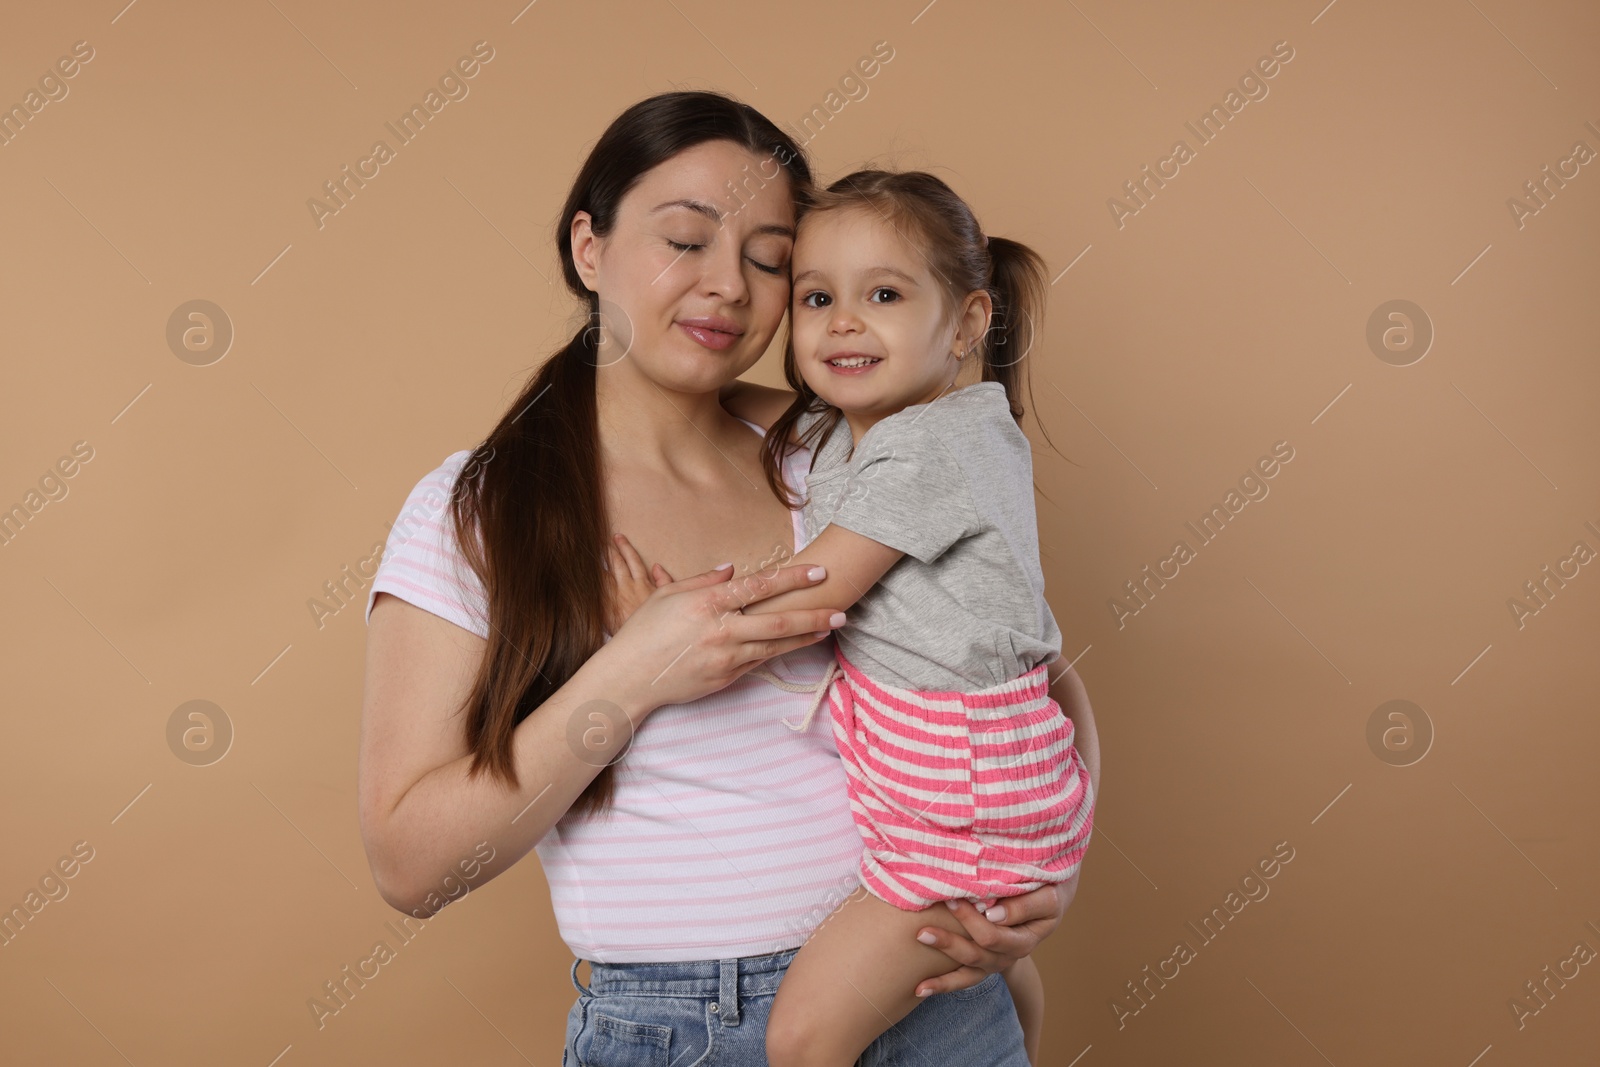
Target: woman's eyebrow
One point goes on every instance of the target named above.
(703, 208)
(693, 205)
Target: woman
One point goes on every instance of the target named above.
(691, 841)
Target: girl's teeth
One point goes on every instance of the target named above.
(853, 361)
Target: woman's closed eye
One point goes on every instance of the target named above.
(680, 246)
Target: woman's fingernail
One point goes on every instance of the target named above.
(816, 574)
(836, 620)
(719, 566)
(950, 904)
(926, 938)
(995, 914)
(923, 992)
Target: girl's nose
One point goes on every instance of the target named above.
(843, 320)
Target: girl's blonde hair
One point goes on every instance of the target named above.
(932, 218)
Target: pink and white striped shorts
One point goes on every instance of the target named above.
(961, 795)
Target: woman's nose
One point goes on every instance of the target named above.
(724, 273)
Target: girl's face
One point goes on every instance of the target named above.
(693, 278)
(871, 324)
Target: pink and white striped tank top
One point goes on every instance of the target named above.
(731, 835)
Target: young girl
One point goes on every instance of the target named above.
(907, 333)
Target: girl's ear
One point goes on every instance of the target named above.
(972, 323)
(585, 250)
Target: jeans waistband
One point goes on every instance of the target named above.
(725, 980)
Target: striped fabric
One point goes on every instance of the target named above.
(961, 795)
(730, 835)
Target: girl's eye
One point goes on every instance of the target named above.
(893, 296)
(809, 300)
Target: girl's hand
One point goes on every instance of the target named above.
(630, 583)
(1025, 921)
(688, 638)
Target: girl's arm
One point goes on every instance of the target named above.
(854, 564)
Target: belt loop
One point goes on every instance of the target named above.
(579, 986)
(728, 992)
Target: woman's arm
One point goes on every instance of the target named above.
(421, 814)
(424, 820)
(1068, 691)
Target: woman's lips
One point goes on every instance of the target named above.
(712, 334)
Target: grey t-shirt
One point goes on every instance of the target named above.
(950, 483)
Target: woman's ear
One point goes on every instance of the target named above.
(585, 250)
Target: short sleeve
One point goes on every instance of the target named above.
(422, 561)
(906, 490)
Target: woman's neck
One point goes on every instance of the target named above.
(659, 427)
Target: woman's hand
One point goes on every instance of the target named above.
(688, 638)
(1021, 923)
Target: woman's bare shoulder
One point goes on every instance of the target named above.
(760, 404)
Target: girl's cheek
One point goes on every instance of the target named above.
(805, 338)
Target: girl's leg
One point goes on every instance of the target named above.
(854, 978)
(1027, 992)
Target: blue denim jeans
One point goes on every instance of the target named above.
(713, 1013)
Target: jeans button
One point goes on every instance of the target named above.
(716, 1007)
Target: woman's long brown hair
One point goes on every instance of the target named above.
(534, 489)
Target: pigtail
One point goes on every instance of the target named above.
(1017, 287)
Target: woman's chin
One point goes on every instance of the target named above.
(696, 377)
(713, 370)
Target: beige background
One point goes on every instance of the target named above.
(1229, 314)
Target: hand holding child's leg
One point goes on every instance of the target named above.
(854, 978)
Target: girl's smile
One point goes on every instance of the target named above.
(851, 362)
